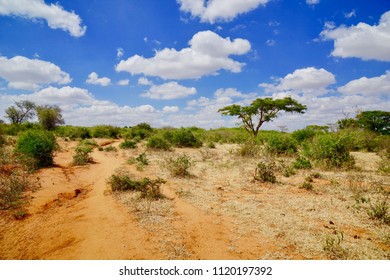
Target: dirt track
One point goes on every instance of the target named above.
(217, 213)
(74, 216)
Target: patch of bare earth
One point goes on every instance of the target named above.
(218, 212)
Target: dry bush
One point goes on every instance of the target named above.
(148, 188)
(14, 182)
(178, 167)
(265, 171)
(82, 155)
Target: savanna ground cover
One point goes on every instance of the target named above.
(142, 193)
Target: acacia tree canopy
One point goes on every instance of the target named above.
(23, 111)
(378, 121)
(262, 110)
(49, 116)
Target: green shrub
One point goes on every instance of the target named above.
(128, 144)
(361, 139)
(302, 163)
(73, 132)
(302, 135)
(36, 147)
(226, 135)
(333, 246)
(142, 159)
(211, 145)
(307, 184)
(380, 211)
(184, 138)
(110, 148)
(308, 133)
(15, 129)
(282, 144)
(11, 188)
(250, 148)
(141, 131)
(330, 150)
(384, 166)
(82, 155)
(159, 143)
(148, 188)
(105, 131)
(178, 167)
(286, 169)
(265, 172)
(89, 143)
(2, 137)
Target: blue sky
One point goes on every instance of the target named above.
(176, 62)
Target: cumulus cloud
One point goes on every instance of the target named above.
(362, 41)
(144, 82)
(312, 2)
(31, 74)
(203, 111)
(171, 90)
(218, 10)
(124, 82)
(171, 109)
(81, 107)
(54, 14)
(329, 106)
(208, 53)
(94, 79)
(325, 110)
(368, 86)
(306, 80)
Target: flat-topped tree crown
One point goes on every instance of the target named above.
(262, 110)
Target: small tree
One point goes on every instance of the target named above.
(23, 111)
(262, 110)
(49, 116)
(378, 121)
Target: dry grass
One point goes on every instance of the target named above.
(301, 224)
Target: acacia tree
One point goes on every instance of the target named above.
(49, 116)
(262, 110)
(23, 111)
(378, 121)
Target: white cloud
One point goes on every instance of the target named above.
(218, 10)
(171, 109)
(144, 82)
(124, 82)
(80, 107)
(368, 86)
(31, 74)
(208, 53)
(325, 110)
(350, 14)
(312, 2)
(54, 14)
(119, 52)
(94, 79)
(270, 42)
(362, 41)
(305, 80)
(171, 90)
(326, 106)
(222, 97)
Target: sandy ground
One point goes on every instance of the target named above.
(219, 212)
